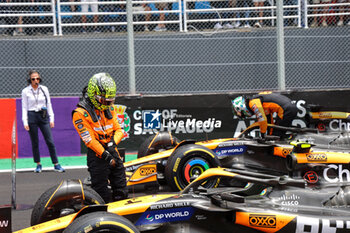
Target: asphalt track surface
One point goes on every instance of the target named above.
(29, 187)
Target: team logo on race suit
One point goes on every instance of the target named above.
(123, 119)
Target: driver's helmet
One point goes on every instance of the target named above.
(101, 91)
(240, 107)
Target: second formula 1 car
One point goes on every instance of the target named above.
(315, 157)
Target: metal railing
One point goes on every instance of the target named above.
(302, 12)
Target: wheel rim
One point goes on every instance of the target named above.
(194, 167)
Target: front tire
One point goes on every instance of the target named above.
(188, 162)
(101, 222)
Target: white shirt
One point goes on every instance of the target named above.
(34, 100)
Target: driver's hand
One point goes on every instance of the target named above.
(113, 163)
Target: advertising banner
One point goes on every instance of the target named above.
(66, 139)
(6, 124)
(210, 116)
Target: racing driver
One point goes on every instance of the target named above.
(263, 106)
(95, 120)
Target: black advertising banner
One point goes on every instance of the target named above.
(5, 219)
(210, 116)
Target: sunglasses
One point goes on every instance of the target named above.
(33, 79)
(102, 100)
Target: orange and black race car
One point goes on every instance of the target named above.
(266, 204)
(313, 156)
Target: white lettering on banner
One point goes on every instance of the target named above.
(301, 108)
(313, 224)
(341, 173)
(339, 125)
(4, 223)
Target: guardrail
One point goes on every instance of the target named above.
(301, 13)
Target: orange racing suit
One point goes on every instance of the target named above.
(96, 129)
(264, 105)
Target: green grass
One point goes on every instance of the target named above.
(65, 161)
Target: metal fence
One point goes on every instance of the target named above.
(180, 46)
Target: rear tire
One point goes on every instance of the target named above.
(70, 204)
(101, 222)
(188, 162)
(159, 142)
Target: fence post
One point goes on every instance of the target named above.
(280, 46)
(131, 51)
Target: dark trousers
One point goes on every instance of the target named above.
(35, 121)
(101, 172)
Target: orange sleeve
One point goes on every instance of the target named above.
(256, 106)
(118, 131)
(86, 133)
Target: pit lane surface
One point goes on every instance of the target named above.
(29, 187)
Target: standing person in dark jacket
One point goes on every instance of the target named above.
(95, 119)
(37, 113)
(263, 106)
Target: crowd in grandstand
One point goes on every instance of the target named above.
(241, 13)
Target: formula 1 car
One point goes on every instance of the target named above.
(313, 156)
(268, 204)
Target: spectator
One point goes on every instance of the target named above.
(143, 7)
(246, 13)
(323, 10)
(85, 9)
(161, 26)
(341, 10)
(290, 12)
(263, 106)
(95, 119)
(219, 5)
(19, 9)
(259, 12)
(37, 113)
(8, 20)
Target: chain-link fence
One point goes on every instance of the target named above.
(180, 46)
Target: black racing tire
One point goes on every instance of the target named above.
(101, 222)
(189, 161)
(159, 142)
(62, 206)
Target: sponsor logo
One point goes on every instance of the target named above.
(145, 171)
(165, 215)
(320, 225)
(169, 205)
(4, 223)
(78, 121)
(339, 125)
(151, 119)
(340, 174)
(169, 120)
(289, 200)
(267, 221)
(311, 177)
(286, 151)
(80, 126)
(176, 164)
(316, 157)
(123, 120)
(230, 151)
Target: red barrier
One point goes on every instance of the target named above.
(7, 118)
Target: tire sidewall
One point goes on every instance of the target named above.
(175, 170)
(98, 221)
